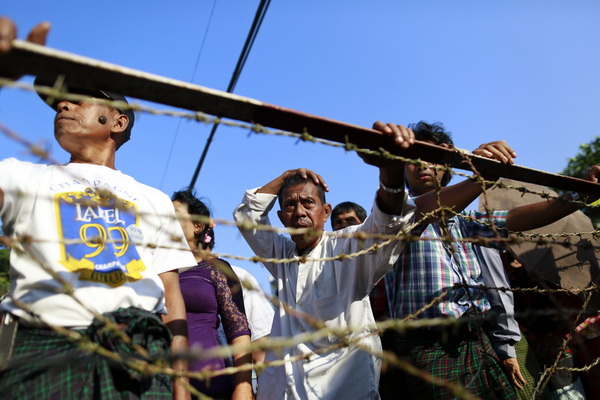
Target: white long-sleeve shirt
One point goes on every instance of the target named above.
(335, 292)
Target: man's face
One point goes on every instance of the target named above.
(76, 124)
(421, 178)
(345, 219)
(301, 207)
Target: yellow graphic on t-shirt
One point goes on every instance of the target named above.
(96, 228)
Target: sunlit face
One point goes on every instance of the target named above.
(422, 179)
(301, 207)
(77, 123)
(190, 228)
(343, 220)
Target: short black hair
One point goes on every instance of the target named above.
(436, 134)
(197, 207)
(345, 207)
(297, 179)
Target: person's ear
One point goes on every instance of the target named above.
(120, 123)
(327, 208)
(280, 216)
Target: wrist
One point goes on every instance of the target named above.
(577, 197)
(490, 180)
(390, 189)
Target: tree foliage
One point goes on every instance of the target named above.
(4, 265)
(589, 154)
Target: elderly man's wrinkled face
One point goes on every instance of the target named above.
(301, 207)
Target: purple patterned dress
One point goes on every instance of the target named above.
(207, 296)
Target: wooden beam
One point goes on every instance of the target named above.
(28, 58)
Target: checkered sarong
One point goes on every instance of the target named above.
(530, 368)
(47, 365)
(468, 359)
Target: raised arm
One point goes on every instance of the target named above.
(532, 216)
(8, 33)
(460, 195)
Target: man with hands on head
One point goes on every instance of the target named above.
(115, 242)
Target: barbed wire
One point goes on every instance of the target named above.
(320, 328)
(57, 93)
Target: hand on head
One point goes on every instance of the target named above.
(307, 174)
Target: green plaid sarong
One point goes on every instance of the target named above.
(466, 358)
(530, 368)
(47, 365)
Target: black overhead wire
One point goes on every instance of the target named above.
(212, 12)
(258, 19)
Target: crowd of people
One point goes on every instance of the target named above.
(106, 280)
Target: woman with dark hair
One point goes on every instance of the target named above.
(208, 299)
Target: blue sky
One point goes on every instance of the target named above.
(525, 72)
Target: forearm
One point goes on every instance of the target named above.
(456, 197)
(540, 214)
(180, 345)
(390, 195)
(176, 321)
(503, 329)
(243, 379)
(273, 186)
(536, 215)
(504, 350)
(258, 355)
(253, 212)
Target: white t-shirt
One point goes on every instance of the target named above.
(100, 231)
(259, 309)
